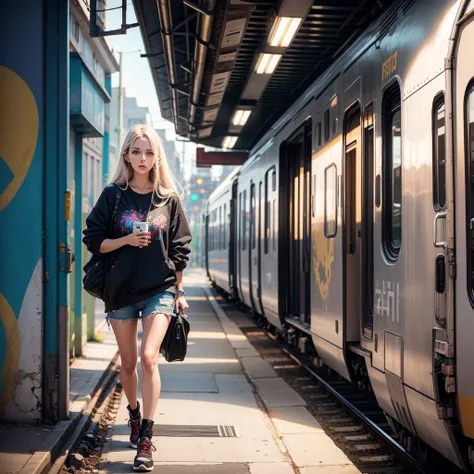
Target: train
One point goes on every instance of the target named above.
(349, 230)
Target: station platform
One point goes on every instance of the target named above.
(225, 410)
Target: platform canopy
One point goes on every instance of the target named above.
(225, 70)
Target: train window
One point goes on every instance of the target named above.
(368, 221)
(253, 222)
(268, 216)
(334, 126)
(274, 180)
(221, 227)
(470, 190)
(241, 236)
(211, 231)
(219, 239)
(244, 222)
(225, 228)
(274, 225)
(214, 231)
(318, 133)
(330, 201)
(326, 125)
(439, 153)
(392, 172)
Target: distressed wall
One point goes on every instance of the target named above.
(21, 210)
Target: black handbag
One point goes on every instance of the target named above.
(175, 342)
(96, 268)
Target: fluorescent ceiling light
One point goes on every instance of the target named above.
(229, 142)
(240, 117)
(283, 31)
(267, 63)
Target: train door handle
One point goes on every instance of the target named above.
(436, 243)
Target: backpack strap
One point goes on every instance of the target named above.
(118, 195)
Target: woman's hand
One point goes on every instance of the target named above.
(181, 304)
(138, 239)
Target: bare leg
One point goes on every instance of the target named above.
(154, 330)
(126, 335)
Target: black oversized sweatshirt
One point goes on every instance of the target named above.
(138, 273)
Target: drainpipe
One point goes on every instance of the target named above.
(200, 54)
(167, 37)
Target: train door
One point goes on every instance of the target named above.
(255, 246)
(463, 104)
(239, 244)
(206, 245)
(232, 239)
(298, 153)
(253, 253)
(353, 273)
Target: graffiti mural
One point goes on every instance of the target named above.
(21, 214)
(323, 257)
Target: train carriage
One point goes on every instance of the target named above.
(353, 222)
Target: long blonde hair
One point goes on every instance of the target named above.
(164, 183)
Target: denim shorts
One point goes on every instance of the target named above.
(163, 302)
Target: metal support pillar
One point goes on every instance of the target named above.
(57, 254)
(78, 306)
(106, 140)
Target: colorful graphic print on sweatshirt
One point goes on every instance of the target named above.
(156, 226)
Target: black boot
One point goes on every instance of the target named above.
(134, 422)
(144, 458)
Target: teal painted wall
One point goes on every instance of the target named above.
(21, 210)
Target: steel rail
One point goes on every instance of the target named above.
(379, 432)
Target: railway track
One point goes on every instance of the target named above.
(350, 417)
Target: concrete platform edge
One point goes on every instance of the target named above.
(226, 324)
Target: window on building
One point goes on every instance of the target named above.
(74, 29)
(439, 153)
(87, 174)
(330, 201)
(98, 175)
(392, 172)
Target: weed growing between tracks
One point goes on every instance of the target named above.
(86, 458)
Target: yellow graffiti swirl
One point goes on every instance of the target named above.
(18, 130)
(12, 356)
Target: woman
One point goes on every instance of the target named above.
(145, 280)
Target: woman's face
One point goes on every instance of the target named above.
(141, 156)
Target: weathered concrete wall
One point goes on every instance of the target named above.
(21, 210)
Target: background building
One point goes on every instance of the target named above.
(91, 65)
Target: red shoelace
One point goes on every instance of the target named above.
(145, 446)
(135, 425)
